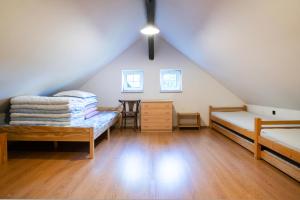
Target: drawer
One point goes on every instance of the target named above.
(162, 119)
(156, 106)
(156, 127)
(156, 113)
(157, 122)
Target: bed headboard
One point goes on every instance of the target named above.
(227, 109)
(224, 109)
(273, 124)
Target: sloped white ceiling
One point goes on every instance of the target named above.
(46, 45)
(251, 46)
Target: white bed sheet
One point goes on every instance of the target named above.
(286, 137)
(241, 118)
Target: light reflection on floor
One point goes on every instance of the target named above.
(167, 170)
(170, 171)
(133, 169)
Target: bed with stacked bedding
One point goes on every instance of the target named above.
(66, 116)
(278, 143)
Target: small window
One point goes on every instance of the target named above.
(132, 80)
(170, 80)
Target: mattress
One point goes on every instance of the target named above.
(286, 137)
(100, 122)
(241, 118)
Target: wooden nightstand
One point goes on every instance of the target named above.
(3, 148)
(188, 120)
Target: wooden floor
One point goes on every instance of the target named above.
(183, 165)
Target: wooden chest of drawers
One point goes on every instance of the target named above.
(156, 116)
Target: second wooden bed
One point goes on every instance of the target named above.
(274, 151)
(282, 156)
(82, 133)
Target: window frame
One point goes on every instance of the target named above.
(161, 73)
(125, 72)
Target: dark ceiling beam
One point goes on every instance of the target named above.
(150, 9)
(151, 47)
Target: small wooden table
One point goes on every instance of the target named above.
(3, 148)
(188, 120)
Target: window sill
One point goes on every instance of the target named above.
(171, 91)
(132, 91)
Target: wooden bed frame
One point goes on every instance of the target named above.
(215, 122)
(55, 134)
(259, 142)
(285, 151)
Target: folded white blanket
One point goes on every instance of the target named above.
(42, 100)
(75, 93)
(90, 101)
(67, 107)
(44, 123)
(38, 115)
(24, 110)
(46, 119)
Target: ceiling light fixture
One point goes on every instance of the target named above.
(150, 30)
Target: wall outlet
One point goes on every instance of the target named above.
(274, 112)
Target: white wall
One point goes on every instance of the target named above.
(199, 89)
(280, 112)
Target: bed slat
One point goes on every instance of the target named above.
(243, 142)
(280, 122)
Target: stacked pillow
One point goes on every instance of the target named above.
(89, 99)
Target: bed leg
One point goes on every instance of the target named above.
(257, 146)
(210, 122)
(92, 149)
(92, 144)
(257, 152)
(108, 133)
(3, 148)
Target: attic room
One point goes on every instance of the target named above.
(150, 99)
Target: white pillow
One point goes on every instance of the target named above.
(75, 93)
